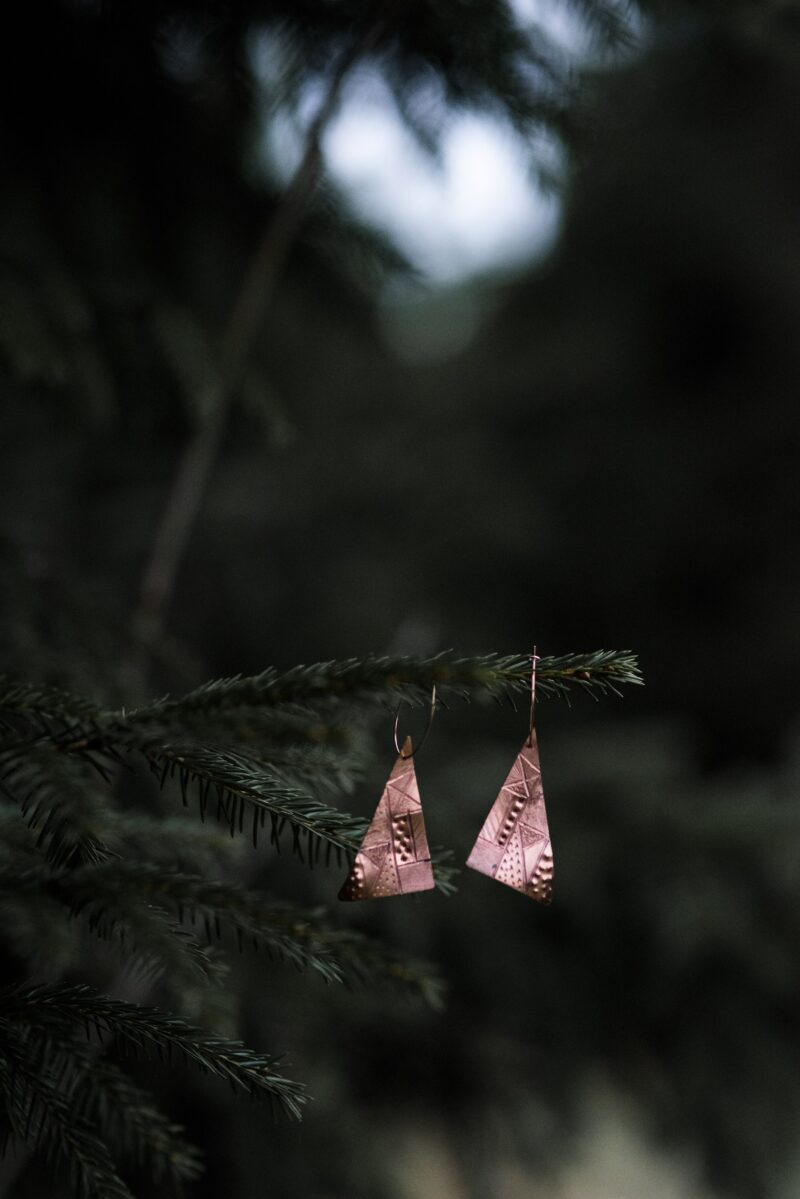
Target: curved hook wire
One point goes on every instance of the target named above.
(534, 660)
(431, 715)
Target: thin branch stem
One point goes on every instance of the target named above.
(258, 289)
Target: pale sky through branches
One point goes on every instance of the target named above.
(478, 209)
(475, 210)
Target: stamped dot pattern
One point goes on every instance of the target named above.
(403, 840)
(541, 883)
(508, 825)
(513, 846)
(394, 858)
(510, 869)
(354, 883)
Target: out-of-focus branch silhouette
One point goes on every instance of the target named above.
(247, 316)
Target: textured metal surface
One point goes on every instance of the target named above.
(513, 846)
(394, 858)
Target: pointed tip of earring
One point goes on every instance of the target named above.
(407, 748)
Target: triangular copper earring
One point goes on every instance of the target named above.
(394, 858)
(513, 846)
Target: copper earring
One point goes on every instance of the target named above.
(513, 846)
(394, 858)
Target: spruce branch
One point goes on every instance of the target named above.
(153, 944)
(133, 1125)
(229, 781)
(172, 842)
(113, 908)
(304, 938)
(57, 801)
(376, 678)
(34, 925)
(148, 1029)
(249, 787)
(319, 768)
(233, 787)
(102, 1097)
(291, 724)
(369, 962)
(232, 782)
(18, 849)
(287, 697)
(128, 901)
(285, 931)
(35, 701)
(41, 1116)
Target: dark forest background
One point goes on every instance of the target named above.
(610, 462)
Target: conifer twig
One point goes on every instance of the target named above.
(374, 678)
(149, 1029)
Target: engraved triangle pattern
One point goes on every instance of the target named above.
(394, 858)
(513, 846)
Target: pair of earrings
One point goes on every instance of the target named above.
(512, 847)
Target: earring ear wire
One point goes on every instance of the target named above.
(431, 714)
(534, 660)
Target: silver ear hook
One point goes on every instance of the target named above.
(534, 660)
(431, 715)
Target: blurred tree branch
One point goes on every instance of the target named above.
(258, 288)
